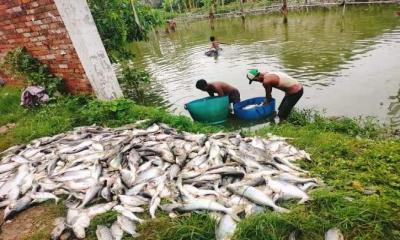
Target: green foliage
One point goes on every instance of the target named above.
(134, 82)
(116, 24)
(19, 63)
(367, 127)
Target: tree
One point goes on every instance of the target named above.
(284, 11)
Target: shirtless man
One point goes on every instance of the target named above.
(220, 88)
(170, 26)
(292, 88)
(214, 43)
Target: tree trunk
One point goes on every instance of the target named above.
(179, 8)
(284, 11)
(212, 10)
(344, 7)
(136, 16)
(241, 10)
(170, 6)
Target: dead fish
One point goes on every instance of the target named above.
(293, 179)
(173, 171)
(103, 233)
(91, 193)
(225, 228)
(334, 234)
(16, 207)
(99, 209)
(149, 174)
(8, 166)
(286, 190)
(256, 196)
(72, 176)
(59, 228)
(116, 162)
(116, 231)
(202, 204)
(39, 197)
(126, 213)
(128, 177)
(127, 225)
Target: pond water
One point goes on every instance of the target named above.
(348, 64)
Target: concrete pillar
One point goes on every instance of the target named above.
(86, 39)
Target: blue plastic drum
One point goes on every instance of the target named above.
(255, 113)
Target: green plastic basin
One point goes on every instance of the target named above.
(213, 110)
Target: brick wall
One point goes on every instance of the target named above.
(37, 26)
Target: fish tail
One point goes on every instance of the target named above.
(281, 209)
(303, 200)
(234, 213)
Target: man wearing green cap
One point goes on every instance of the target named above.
(292, 88)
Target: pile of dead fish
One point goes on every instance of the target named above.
(130, 170)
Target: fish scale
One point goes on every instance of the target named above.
(141, 168)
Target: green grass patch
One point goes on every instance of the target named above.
(358, 162)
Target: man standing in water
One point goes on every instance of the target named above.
(292, 88)
(220, 88)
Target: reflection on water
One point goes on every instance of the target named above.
(349, 65)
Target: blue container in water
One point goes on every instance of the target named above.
(213, 110)
(256, 113)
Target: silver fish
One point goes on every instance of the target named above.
(256, 196)
(116, 231)
(59, 228)
(127, 225)
(17, 206)
(293, 179)
(133, 201)
(128, 177)
(8, 166)
(203, 204)
(103, 233)
(99, 209)
(173, 171)
(116, 162)
(334, 234)
(43, 196)
(149, 174)
(286, 190)
(225, 228)
(126, 213)
(91, 193)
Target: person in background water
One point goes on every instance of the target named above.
(170, 26)
(292, 88)
(220, 88)
(214, 43)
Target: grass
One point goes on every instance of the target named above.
(351, 157)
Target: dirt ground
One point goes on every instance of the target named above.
(34, 223)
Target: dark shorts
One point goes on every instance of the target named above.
(288, 103)
(234, 97)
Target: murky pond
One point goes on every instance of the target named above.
(349, 65)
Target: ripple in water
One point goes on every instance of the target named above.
(348, 65)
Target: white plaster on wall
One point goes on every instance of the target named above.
(86, 39)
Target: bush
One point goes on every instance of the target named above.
(19, 63)
(133, 82)
(117, 27)
(363, 127)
